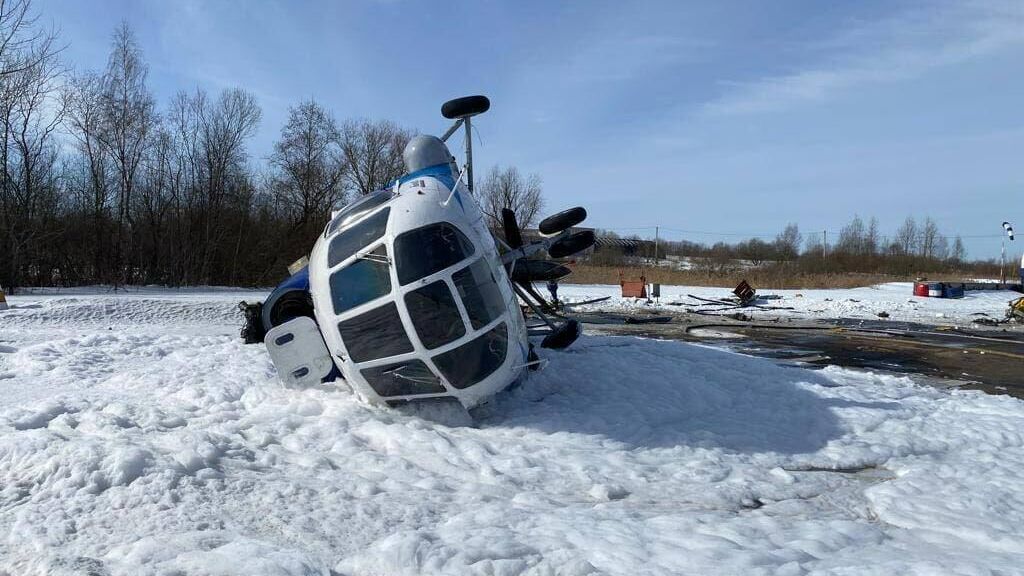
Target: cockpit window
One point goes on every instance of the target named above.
(350, 241)
(424, 251)
(476, 359)
(434, 314)
(361, 281)
(402, 379)
(378, 333)
(480, 293)
(357, 209)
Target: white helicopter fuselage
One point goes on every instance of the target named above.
(411, 297)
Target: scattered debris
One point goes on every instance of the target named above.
(592, 301)
(745, 292)
(1015, 312)
(883, 314)
(648, 320)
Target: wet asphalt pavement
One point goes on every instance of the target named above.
(989, 359)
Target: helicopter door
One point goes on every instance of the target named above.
(298, 352)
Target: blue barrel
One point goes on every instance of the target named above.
(952, 290)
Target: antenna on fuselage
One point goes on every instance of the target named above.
(461, 110)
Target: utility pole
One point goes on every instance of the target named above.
(824, 243)
(655, 245)
(469, 155)
(1002, 258)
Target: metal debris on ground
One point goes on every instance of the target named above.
(648, 320)
(595, 300)
(1015, 312)
(745, 297)
(745, 292)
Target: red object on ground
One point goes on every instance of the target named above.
(633, 288)
(920, 289)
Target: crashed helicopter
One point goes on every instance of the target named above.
(408, 296)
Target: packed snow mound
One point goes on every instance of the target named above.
(114, 311)
(172, 449)
(895, 299)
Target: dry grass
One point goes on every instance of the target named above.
(758, 278)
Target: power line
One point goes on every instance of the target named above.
(835, 233)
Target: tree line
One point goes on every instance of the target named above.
(916, 247)
(101, 183)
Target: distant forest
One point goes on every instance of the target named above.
(915, 248)
(102, 184)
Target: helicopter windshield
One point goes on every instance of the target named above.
(480, 293)
(378, 333)
(476, 359)
(424, 251)
(403, 378)
(361, 281)
(351, 240)
(357, 209)
(434, 314)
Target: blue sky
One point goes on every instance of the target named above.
(709, 117)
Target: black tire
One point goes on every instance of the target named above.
(572, 244)
(290, 306)
(562, 221)
(465, 106)
(563, 336)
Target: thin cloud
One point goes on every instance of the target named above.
(886, 51)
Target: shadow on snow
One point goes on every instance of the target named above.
(659, 394)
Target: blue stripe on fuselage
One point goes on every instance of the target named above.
(442, 172)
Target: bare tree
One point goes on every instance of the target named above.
(906, 236)
(959, 254)
(308, 167)
(851, 238)
(30, 111)
(787, 242)
(372, 152)
(129, 118)
(23, 45)
(224, 128)
(85, 120)
(871, 238)
(928, 239)
(507, 188)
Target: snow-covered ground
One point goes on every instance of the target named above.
(139, 436)
(895, 299)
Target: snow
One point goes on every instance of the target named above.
(895, 298)
(139, 436)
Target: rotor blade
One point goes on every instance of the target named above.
(512, 234)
